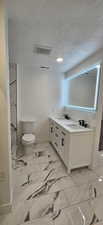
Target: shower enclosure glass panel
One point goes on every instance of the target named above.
(13, 105)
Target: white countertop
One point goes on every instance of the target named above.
(72, 129)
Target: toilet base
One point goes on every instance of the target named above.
(28, 149)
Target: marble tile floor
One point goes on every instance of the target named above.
(44, 193)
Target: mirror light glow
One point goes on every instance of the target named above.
(59, 60)
(91, 109)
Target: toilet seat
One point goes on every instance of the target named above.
(28, 138)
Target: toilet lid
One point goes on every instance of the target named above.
(28, 137)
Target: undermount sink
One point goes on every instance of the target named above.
(70, 123)
(66, 122)
(61, 119)
(75, 126)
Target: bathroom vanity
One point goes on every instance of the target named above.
(73, 143)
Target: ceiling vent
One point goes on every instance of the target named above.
(44, 50)
(45, 67)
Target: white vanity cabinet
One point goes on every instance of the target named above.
(59, 139)
(74, 148)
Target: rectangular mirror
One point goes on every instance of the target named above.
(82, 89)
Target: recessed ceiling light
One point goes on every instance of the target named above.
(100, 179)
(59, 60)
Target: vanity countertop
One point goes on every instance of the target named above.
(70, 125)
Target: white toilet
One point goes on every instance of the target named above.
(28, 137)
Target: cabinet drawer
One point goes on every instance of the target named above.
(63, 133)
(56, 135)
(56, 127)
(51, 129)
(51, 122)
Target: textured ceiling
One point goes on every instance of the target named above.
(73, 28)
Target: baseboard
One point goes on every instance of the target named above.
(5, 208)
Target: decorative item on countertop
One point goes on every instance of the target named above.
(86, 125)
(83, 123)
(66, 116)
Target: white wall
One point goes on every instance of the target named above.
(94, 119)
(40, 95)
(5, 181)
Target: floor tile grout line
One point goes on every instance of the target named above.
(61, 190)
(67, 207)
(75, 185)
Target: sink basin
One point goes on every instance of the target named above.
(60, 118)
(75, 126)
(66, 122)
(70, 123)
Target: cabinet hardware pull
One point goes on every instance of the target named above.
(51, 129)
(56, 144)
(63, 133)
(62, 141)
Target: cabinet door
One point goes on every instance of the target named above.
(62, 144)
(81, 145)
(56, 137)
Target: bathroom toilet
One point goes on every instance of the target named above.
(28, 138)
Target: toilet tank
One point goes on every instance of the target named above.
(28, 127)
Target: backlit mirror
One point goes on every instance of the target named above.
(82, 89)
